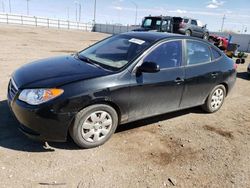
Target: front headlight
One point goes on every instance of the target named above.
(39, 96)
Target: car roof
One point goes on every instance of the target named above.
(190, 18)
(156, 36)
(164, 17)
(159, 17)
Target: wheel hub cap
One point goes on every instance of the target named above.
(96, 126)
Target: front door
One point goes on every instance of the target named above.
(160, 92)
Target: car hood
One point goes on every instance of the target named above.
(53, 72)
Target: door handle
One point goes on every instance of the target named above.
(179, 80)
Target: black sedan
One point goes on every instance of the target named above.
(120, 79)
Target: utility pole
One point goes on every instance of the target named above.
(10, 6)
(136, 10)
(94, 12)
(28, 11)
(68, 12)
(80, 10)
(222, 24)
(76, 10)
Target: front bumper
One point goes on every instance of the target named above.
(41, 123)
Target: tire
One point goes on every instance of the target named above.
(94, 126)
(188, 33)
(206, 36)
(215, 99)
(238, 61)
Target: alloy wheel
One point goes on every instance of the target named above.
(217, 99)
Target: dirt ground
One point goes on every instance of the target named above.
(182, 149)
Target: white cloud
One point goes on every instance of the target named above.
(212, 6)
(181, 11)
(215, 4)
(118, 8)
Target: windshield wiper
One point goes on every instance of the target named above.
(88, 60)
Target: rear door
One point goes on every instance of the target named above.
(201, 73)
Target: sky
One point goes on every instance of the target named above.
(210, 12)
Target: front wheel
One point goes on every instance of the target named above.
(94, 125)
(215, 99)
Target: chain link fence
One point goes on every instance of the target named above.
(113, 29)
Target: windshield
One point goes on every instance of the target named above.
(115, 52)
(153, 23)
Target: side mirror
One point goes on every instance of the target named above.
(149, 67)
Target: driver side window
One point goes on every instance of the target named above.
(166, 55)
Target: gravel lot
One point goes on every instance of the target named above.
(182, 149)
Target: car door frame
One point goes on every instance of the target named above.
(139, 62)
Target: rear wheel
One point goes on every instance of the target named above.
(215, 99)
(188, 33)
(94, 125)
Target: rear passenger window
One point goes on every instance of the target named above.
(166, 55)
(197, 52)
(215, 53)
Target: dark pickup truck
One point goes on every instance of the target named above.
(186, 26)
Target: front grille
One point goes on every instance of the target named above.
(12, 89)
